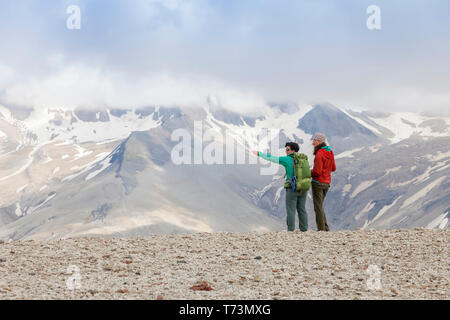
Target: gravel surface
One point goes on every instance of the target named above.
(391, 264)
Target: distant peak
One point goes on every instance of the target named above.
(326, 106)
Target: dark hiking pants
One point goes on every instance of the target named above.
(319, 191)
(295, 201)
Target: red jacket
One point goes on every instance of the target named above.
(323, 165)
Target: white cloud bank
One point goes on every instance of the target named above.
(80, 86)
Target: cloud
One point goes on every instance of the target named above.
(81, 86)
(241, 52)
(92, 87)
(6, 75)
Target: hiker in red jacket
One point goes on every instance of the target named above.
(321, 178)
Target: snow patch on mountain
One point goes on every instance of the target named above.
(369, 206)
(348, 153)
(384, 210)
(361, 122)
(86, 167)
(49, 197)
(6, 114)
(278, 194)
(22, 169)
(363, 186)
(422, 192)
(375, 148)
(391, 170)
(346, 189)
(104, 164)
(438, 156)
(440, 222)
(47, 160)
(18, 210)
(21, 188)
(70, 127)
(426, 175)
(81, 152)
(404, 124)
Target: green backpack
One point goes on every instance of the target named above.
(302, 174)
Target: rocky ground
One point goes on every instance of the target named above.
(391, 264)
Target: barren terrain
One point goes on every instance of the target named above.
(391, 264)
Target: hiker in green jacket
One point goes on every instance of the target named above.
(294, 199)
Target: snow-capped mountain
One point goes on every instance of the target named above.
(109, 171)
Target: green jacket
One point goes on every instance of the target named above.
(286, 161)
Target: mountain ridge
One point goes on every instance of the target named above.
(119, 159)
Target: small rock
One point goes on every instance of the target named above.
(159, 297)
(2, 260)
(122, 291)
(258, 257)
(201, 286)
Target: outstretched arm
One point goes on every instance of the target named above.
(284, 161)
(267, 156)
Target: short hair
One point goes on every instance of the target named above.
(293, 145)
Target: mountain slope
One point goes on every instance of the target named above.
(110, 171)
(342, 131)
(136, 188)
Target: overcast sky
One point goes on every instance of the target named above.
(243, 52)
